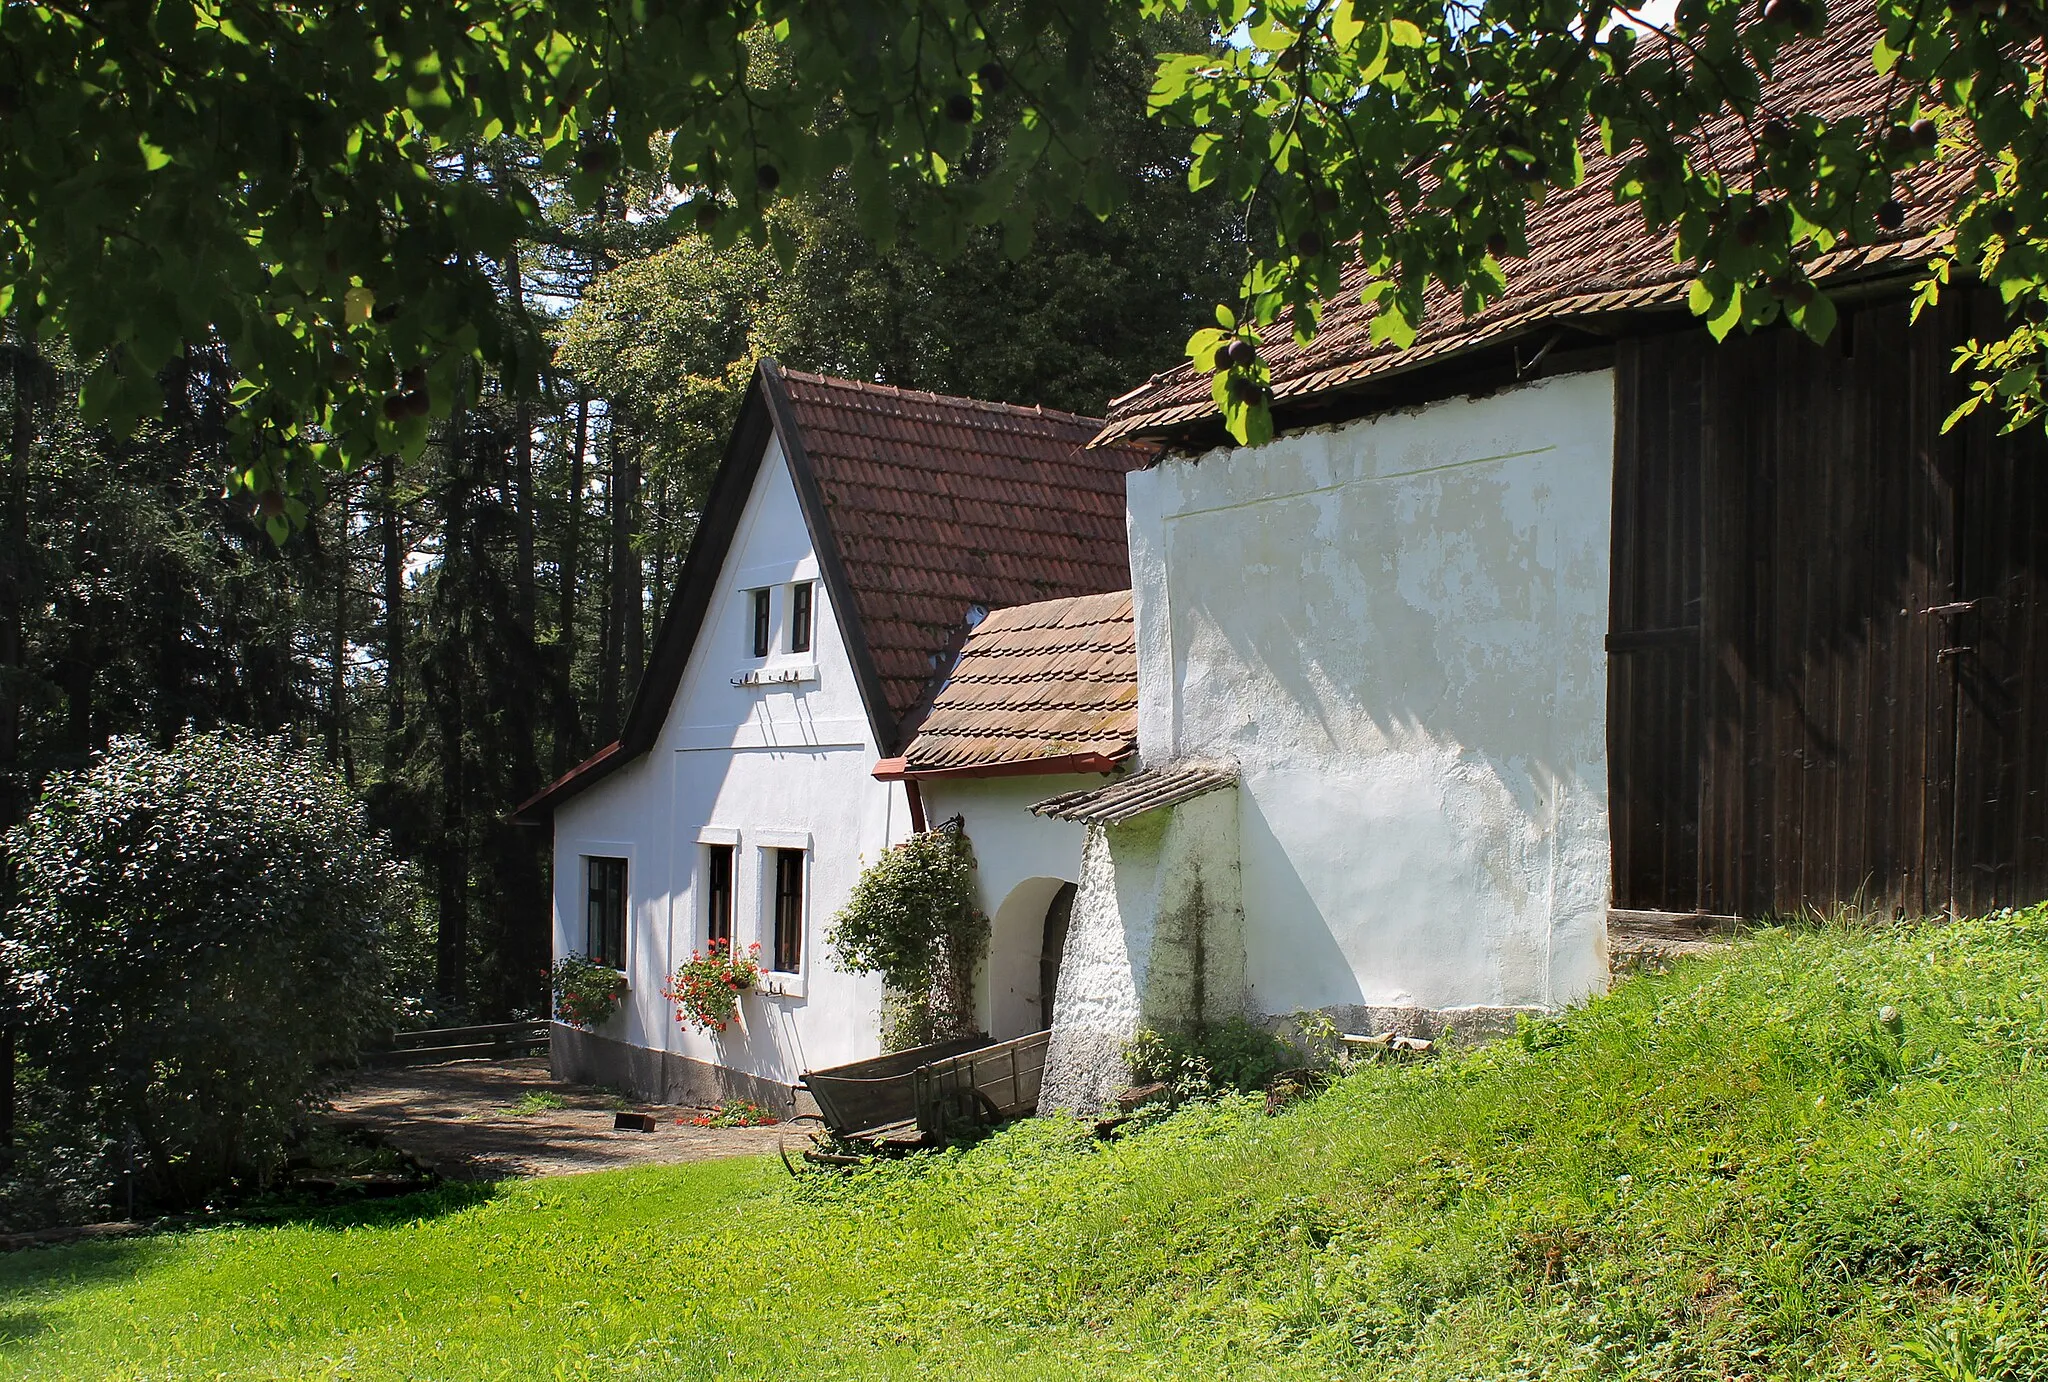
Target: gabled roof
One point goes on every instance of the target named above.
(1589, 260)
(920, 507)
(1050, 687)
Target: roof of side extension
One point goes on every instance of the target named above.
(920, 506)
(1048, 687)
(1588, 259)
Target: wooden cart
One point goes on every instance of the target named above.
(915, 1098)
(979, 1088)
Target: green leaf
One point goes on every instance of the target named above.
(153, 157)
(1816, 318)
(1404, 34)
(1729, 317)
(1345, 25)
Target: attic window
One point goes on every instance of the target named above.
(761, 625)
(800, 617)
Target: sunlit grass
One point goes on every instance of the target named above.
(1735, 1170)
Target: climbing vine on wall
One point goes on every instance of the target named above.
(911, 918)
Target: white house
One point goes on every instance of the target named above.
(853, 536)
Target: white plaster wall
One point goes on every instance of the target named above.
(1157, 893)
(758, 767)
(1020, 862)
(1396, 628)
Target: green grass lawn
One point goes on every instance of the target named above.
(1732, 1171)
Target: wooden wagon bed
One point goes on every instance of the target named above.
(918, 1097)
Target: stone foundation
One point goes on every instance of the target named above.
(1470, 1026)
(663, 1077)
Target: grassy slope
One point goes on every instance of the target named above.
(1729, 1171)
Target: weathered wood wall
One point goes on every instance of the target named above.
(1828, 627)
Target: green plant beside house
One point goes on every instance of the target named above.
(911, 918)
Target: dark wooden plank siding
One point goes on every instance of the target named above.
(1809, 743)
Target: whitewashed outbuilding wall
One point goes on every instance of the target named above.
(1395, 628)
(758, 767)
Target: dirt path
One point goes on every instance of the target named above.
(459, 1119)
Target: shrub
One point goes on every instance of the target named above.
(1233, 1055)
(194, 943)
(911, 918)
(706, 988)
(586, 993)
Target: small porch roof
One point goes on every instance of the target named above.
(1131, 797)
(1041, 688)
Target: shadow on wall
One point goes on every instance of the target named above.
(1312, 947)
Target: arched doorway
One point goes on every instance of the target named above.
(1026, 937)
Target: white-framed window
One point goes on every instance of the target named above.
(785, 900)
(801, 596)
(718, 852)
(604, 910)
(761, 621)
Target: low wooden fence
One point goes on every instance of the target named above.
(494, 1041)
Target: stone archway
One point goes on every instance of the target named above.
(1026, 935)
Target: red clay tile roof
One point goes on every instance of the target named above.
(938, 503)
(920, 506)
(1041, 684)
(1587, 257)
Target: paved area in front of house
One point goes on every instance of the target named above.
(465, 1120)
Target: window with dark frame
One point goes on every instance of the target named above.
(788, 956)
(604, 916)
(800, 617)
(718, 895)
(761, 625)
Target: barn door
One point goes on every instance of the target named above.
(1829, 627)
(1994, 654)
(1653, 644)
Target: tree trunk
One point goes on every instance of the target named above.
(568, 745)
(14, 575)
(394, 618)
(337, 673)
(447, 691)
(627, 582)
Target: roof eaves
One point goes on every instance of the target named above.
(899, 769)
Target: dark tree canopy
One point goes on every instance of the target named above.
(306, 185)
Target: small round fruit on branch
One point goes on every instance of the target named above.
(1892, 214)
(1249, 392)
(1497, 245)
(992, 77)
(2004, 223)
(1794, 288)
(1309, 243)
(1926, 133)
(768, 177)
(1237, 353)
(1775, 134)
(960, 108)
